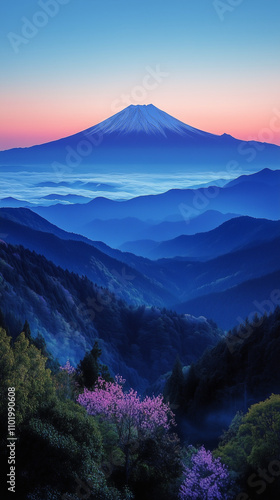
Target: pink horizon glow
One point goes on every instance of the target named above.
(27, 125)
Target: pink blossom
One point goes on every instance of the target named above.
(133, 417)
(206, 479)
(68, 368)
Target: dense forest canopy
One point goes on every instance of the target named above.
(71, 312)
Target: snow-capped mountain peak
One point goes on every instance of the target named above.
(146, 119)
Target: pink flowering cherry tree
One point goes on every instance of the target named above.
(135, 419)
(206, 479)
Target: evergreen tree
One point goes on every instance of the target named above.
(27, 332)
(2, 319)
(175, 384)
(89, 368)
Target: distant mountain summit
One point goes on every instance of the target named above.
(144, 139)
(265, 176)
(147, 119)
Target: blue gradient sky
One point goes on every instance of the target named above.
(90, 59)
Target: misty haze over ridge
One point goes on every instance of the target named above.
(141, 139)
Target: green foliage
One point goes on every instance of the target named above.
(6, 361)
(66, 386)
(158, 468)
(31, 380)
(113, 455)
(260, 432)
(233, 429)
(41, 344)
(22, 366)
(255, 442)
(57, 439)
(61, 449)
(70, 418)
(69, 442)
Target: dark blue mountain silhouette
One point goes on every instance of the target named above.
(14, 202)
(166, 281)
(84, 259)
(115, 232)
(231, 307)
(253, 198)
(228, 237)
(265, 177)
(145, 135)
